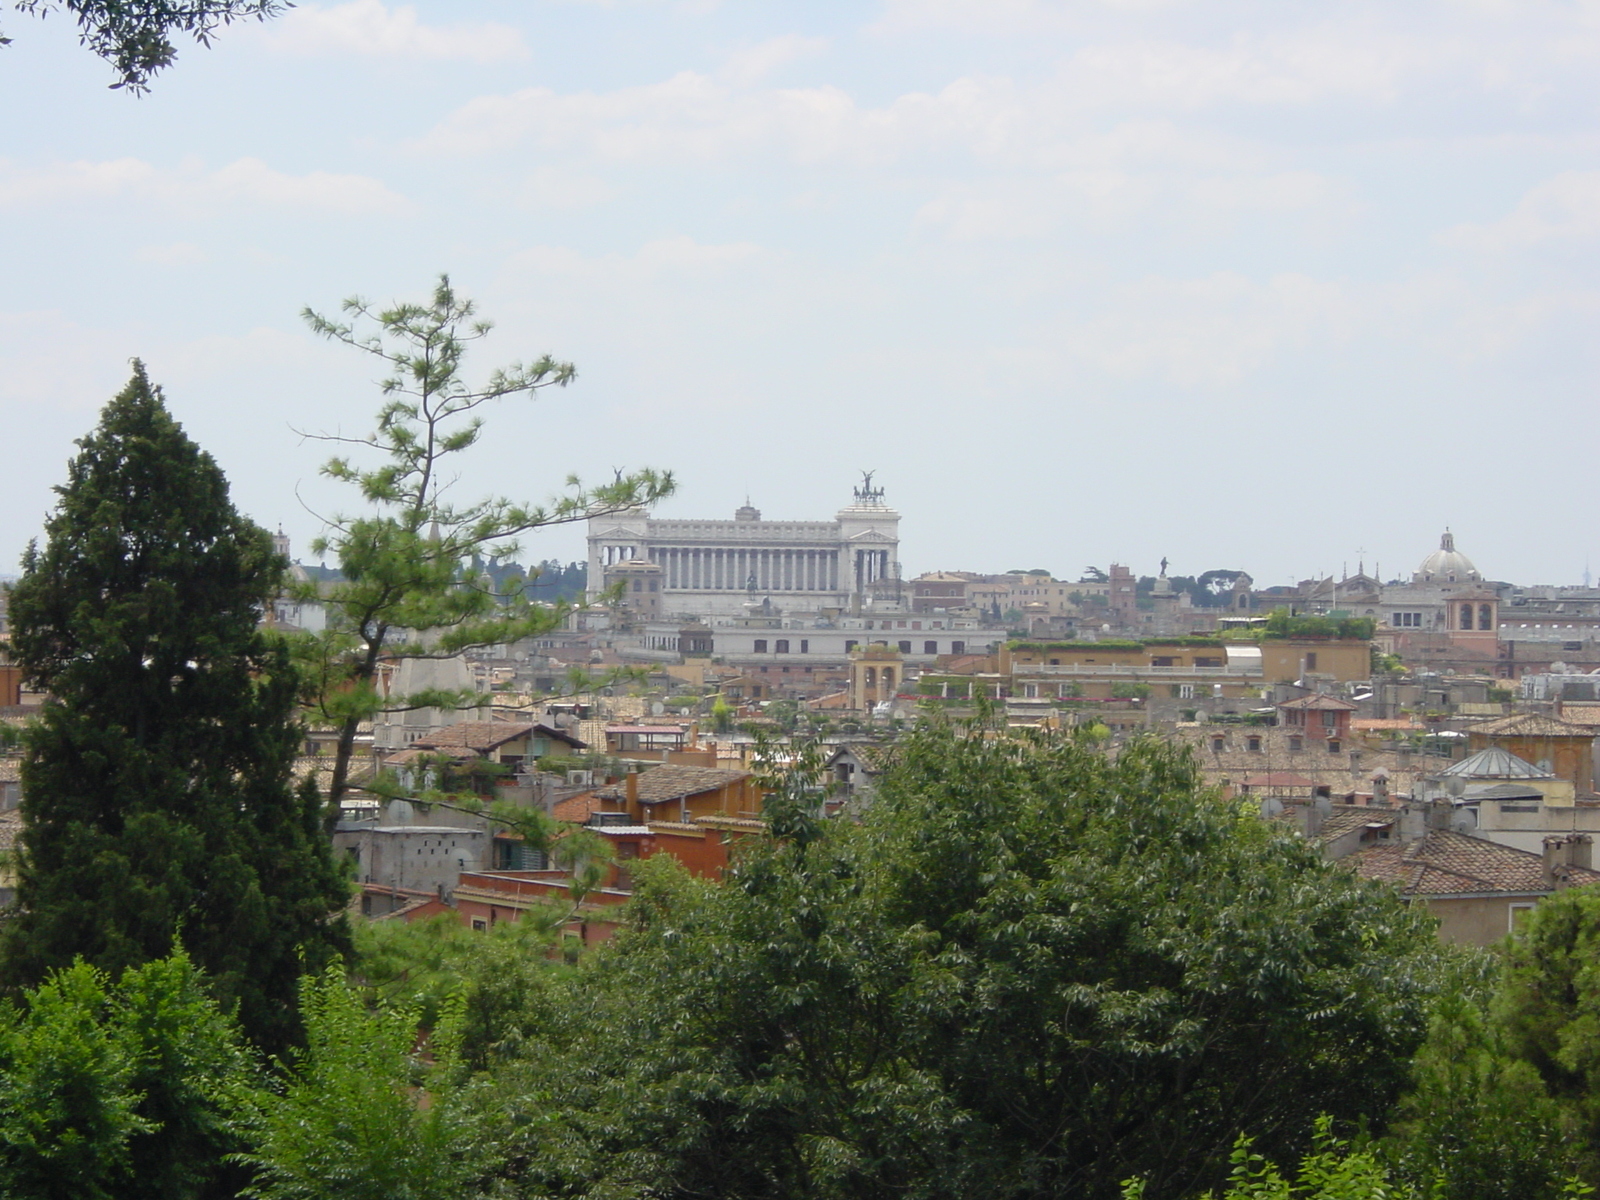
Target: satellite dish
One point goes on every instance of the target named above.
(657, 709)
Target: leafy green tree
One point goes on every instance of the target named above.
(360, 1116)
(1032, 969)
(135, 36)
(118, 1090)
(1549, 1004)
(1477, 1123)
(407, 588)
(157, 803)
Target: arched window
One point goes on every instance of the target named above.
(1485, 617)
(871, 677)
(1466, 616)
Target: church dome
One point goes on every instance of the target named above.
(1447, 565)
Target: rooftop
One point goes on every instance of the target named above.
(1445, 863)
(674, 781)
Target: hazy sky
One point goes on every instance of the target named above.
(1255, 284)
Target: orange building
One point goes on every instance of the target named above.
(1560, 747)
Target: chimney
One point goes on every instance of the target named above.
(1440, 810)
(1580, 850)
(631, 791)
(1555, 858)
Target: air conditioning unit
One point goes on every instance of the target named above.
(580, 778)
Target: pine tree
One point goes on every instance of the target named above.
(157, 793)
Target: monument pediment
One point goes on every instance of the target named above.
(872, 535)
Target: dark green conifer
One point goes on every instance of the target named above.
(158, 800)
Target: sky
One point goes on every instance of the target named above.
(1258, 284)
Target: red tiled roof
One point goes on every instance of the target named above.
(1330, 703)
(1444, 863)
(1529, 725)
(673, 781)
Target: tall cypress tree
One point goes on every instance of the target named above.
(158, 802)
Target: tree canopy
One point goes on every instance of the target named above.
(1033, 969)
(136, 36)
(158, 804)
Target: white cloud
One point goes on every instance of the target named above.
(370, 27)
(1212, 331)
(755, 63)
(190, 185)
(1565, 208)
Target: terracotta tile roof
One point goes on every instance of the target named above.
(483, 736)
(474, 735)
(673, 781)
(1365, 724)
(1328, 703)
(1345, 818)
(1529, 725)
(577, 809)
(1444, 863)
(1587, 715)
(10, 828)
(1277, 779)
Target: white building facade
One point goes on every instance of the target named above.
(716, 568)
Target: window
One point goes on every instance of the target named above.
(1218, 743)
(805, 646)
(1163, 660)
(916, 624)
(1485, 620)
(1518, 913)
(1203, 660)
(1030, 691)
(1311, 661)
(850, 645)
(1406, 620)
(761, 645)
(1186, 691)
(1253, 744)
(781, 646)
(1333, 746)
(1466, 616)
(930, 647)
(1330, 719)
(1296, 743)
(958, 647)
(479, 924)
(905, 647)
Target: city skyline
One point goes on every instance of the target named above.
(1242, 285)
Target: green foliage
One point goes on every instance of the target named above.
(1477, 1123)
(1029, 970)
(135, 36)
(407, 586)
(1333, 1170)
(117, 1091)
(1130, 691)
(420, 966)
(1550, 1003)
(1282, 624)
(361, 1116)
(158, 803)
